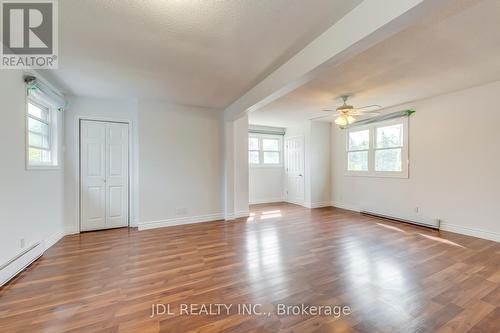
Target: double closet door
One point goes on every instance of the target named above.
(104, 175)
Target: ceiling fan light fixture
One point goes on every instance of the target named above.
(342, 121)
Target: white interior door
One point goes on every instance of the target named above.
(103, 175)
(295, 170)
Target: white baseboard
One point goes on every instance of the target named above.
(180, 221)
(489, 235)
(71, 230)
(474, 232)
(237, 215)
(27, 256)
(342, 205)
(53, 239)
(233, 216)
(312, 205)
(303, 204)
(266, 200)
(320, 204)
(20, 262)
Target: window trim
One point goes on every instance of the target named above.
(52, 135)
(405, 162)
(261, 150)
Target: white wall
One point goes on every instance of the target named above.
(235, 185)
(320, 163)
(454, 165)
(180, 164)
(31, 202)
(266, 184)
(99, 109)
(241, 199)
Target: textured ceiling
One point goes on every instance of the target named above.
(195, 52)
(458, 47)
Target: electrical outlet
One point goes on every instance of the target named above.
(22, 243)
(416, 210)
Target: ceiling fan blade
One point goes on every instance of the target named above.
(362, 111)
(330, 110)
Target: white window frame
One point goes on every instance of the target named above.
(53, 137)
(371, 172)
(261, 150)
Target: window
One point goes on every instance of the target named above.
(359, 145)
(41, 138)
(378, 150)
(388, 148)
(264, 149)
(253, 150)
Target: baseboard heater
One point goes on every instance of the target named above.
(18, 263)
(398, 219)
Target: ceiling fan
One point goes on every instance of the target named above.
(348, 114)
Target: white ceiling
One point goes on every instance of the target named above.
(457, 48)
(194, 52)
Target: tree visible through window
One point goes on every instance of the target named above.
(378, 150)
(389, 147)
(41, 143)
(357, 156)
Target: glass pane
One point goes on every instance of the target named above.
(38, 156)
(271, 157)
(46, 156)
(271, 144)
(253, 143)
(357, 161)
(37, 126)
(37, 111)
(35, 139)
(253, 157)
(35, 155)
(390, 136)
(388, 160)
(359, 140)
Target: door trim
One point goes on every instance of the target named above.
(79, 166)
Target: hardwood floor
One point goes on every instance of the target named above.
(393, 277)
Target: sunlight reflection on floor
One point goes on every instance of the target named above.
(265, 215)
(442, 240)
(391, 227)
